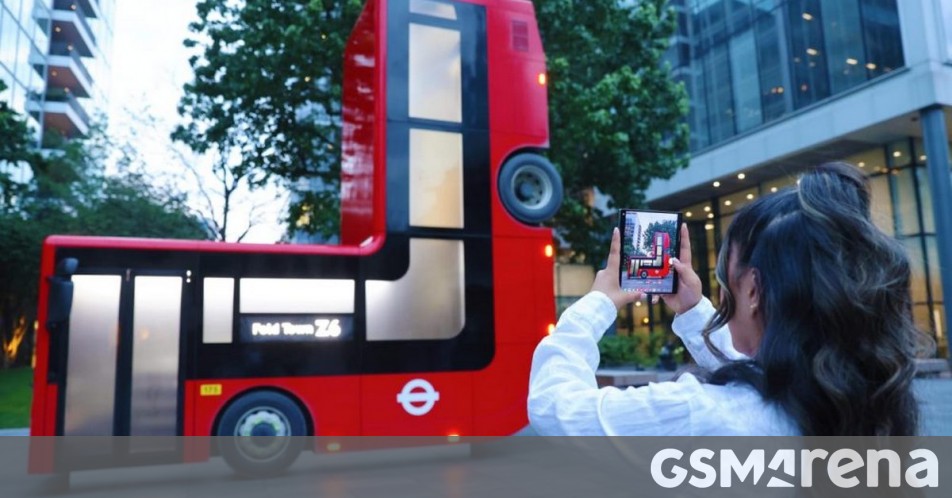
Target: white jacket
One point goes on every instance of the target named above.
(564, 399)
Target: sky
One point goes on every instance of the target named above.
(149, 69)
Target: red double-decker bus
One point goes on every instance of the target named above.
(423, 320)
(655, 265)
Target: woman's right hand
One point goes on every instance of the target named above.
(689, 284)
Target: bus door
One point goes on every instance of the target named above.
(123, 358)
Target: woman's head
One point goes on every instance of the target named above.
(819, 297)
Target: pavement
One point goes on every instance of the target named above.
(935, 396)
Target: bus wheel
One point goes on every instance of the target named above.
(261, 433)
(530, 188)
(644, 274)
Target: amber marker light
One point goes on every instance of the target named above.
(543, 79)
(549, 250)
(551, 328)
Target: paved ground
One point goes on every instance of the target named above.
(934, 394)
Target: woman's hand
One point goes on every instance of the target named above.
(606, 280)
(689, 285)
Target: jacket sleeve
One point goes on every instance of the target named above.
(689, 325)
(564, 398)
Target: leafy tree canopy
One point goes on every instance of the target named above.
(266, 94)
(616, 115)
(266, 99)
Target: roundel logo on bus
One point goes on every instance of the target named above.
(418, 397)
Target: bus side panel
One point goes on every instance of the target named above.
(43, 409)
(500, 391)
(442, 402)
(331, 403)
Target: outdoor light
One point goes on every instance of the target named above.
(871, 66)
(861, 164)
(741, 176)
(897, 154)
(851, 61)
(750, 197)
(717, 184)
(638, 303)
(812, 51)
(709, 227)
(707, 209)
(710, 216)
(727, 202)
(922, 157)
(773, 189)
(807, 16)
(688, 214)
(645, 320)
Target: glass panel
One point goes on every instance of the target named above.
(899, 154)
(91, 361)
(291, 295)
(882, 35)
(720, 105)
(923, 317)
(844, 44)
(906, 203)
(882, 209)
(435, 82)
(431, 8)
(394, 308)
(436, 179)
(935, 268)
(156, 328)
(918, 268)
(947, 27)
(807, 51)
(773, 86)
(925, 196)
(734, 202)
(218, 307)
(746, 80)
(870, 161)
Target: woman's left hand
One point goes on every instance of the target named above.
(606, 280)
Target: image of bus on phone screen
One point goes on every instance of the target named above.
(649, 239)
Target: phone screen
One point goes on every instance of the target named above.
(649, 239)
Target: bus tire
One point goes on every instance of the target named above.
(261, 433)
(644, 274)
(530, 188)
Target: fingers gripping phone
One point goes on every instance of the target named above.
(649, 239)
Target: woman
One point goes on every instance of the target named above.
(813, 336)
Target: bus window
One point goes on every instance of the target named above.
(436, 179)
(435, 74)
(400, 314)
(218, 298)
(432, 8)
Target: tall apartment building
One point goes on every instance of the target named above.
(54, 58)
(777, 86)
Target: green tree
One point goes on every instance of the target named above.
(266, 93)
(265, 98)
(71, 194)
(15, 149)
(616, 114)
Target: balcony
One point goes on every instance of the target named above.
(70, 26)
(61, 111)
(68, 70)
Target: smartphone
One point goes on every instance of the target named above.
(649, 239)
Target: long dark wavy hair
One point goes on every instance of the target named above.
(839, 342)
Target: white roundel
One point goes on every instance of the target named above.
(418, 397)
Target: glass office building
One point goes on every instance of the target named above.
(778, 86)
(54, 57)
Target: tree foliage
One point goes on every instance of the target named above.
(70, 193)
(267, 87)
(266, 94)
(616, 115)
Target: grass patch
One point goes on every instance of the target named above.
(16, 393)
